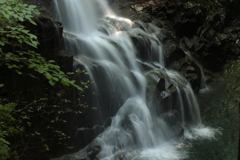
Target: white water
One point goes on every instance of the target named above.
(104, 46)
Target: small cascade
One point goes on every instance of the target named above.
(125, 60)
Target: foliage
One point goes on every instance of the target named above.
(8, 127)
(19, 44)
(20, 121)
(49, 112)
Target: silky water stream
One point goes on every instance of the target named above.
(103, 43)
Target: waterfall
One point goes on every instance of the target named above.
(103, 43)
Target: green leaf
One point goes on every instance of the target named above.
(3, 1)
(2, 43)
(20, 40)
(51, 82)
(31, 21)
(19, 72)
(64, 83)
(28, 17)
(20, 19)
(36, 12)
(49, 77)
(55, 78)
(32, 36)
(37, 133)
(1, 85)
(32, 6)
(78, 87)
(15, 16)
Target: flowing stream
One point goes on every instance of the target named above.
(103, 43)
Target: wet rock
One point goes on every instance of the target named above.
(178, 130)
(65, 60)
(171, 118)
(187, 66)
(160, 83)
(197, 26)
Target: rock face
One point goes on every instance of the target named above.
(209, 30)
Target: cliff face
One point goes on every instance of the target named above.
(208, 30)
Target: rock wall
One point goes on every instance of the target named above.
(208, 30)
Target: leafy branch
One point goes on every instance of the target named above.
(15, 38)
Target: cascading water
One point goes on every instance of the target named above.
(105, 47)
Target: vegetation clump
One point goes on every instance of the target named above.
(22, 116)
